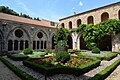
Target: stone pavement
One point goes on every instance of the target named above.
(6, 73)
(115, 75)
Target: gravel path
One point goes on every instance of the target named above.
(85, 76)
(6, 73)
(115, 75)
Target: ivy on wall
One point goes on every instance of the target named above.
(93, 34)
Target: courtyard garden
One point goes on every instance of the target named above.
(92, 64)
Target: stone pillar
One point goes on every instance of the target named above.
(39, 44)
(13, 46)
(43, 44)
(23, 45)
(18, 45)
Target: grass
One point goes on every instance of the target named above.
(106, 55)
(35, 54)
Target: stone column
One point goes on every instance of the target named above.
(39, 44)
(23, 45)
(13, 46)
(18, 45)
(43, 44)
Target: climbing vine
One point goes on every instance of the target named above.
(93, 34)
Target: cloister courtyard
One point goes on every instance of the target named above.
(83, 46)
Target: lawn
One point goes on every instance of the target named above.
(103, 55)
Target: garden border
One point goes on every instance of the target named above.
(48, 71)
(23, 75)
(106, 72)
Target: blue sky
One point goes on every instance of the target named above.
(53, 9)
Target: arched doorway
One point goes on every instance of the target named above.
(53, 44)
(70, 42)
(104, 16)
(82, 44)
(106, 43)
(90, 20)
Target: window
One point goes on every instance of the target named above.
(78, 22)
(18, 33)
(90, 20)
(70, 25)
(39, 35)
(52, 23)
(119, 14)
(104, 16)
(63, 25)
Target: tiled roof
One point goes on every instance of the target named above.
(24, 20)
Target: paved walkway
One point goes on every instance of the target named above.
(6, 73)
(115, 75)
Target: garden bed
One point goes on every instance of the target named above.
(103, 55)
(17, 57)
(49, 66)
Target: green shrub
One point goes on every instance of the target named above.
(23, 75)
(47, 70)
(62, 56)
(28, 51)
(17, 57)
(95, 50)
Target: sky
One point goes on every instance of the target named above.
(53, 9)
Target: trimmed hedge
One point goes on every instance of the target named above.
(17, 57)
(106, 72)
(23, 75)
(95, 50)
(58, 69)
(28, 51)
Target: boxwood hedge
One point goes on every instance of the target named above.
(17, 57)
(23, 75)
(58, 69)
(106, 72)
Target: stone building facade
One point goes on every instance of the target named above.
(94, 16)
(17, 33)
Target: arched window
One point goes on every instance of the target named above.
(63, 25)
(119, 14)
(15, 45)
(26, 44)
(78, 22)
(90, 20)
(10, 43)
(104, 16)
(70, 25)
(21, 45)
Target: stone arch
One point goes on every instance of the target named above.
(104, 16)
(90, 20)
(40, 42)
(10, 43)
(119, 14)
(63, 25)
(70, 25)
(1, 41)
(83, 44)
(78, 22)
(70, 42)
(16, 44)
(106, 43)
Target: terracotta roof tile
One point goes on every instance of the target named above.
(24, 20)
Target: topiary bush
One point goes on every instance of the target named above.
(28, 51)
(95, 50)
(62, 56)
